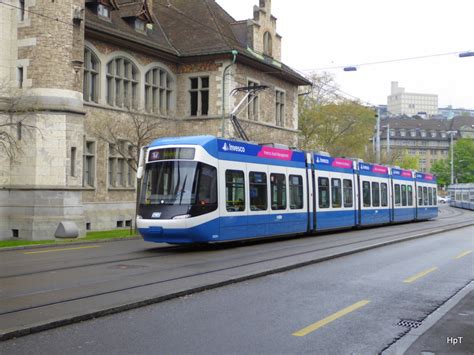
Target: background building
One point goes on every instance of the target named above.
(428, 139)
(400, 103)
(83, 79)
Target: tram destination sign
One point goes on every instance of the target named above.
(171, 154)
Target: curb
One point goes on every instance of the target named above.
(14, 333)
(404, 343)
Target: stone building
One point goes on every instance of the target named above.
(82, 70)
(428, 139)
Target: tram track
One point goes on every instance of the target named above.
(239, 265)
(165, 251)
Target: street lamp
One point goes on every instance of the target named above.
(452, 133)
(466, 54)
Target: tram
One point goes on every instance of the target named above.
(204, 189)
(462, 196)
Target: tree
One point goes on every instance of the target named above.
(331, 123)
(407, 161)
(15, 110)
(463, 164)
(128, 132)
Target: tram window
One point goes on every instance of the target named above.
(323, 192)
(366, 193)
(404, 195)
(425, 196)
(430, 196)
(258, 191)
(296, 192)
(375, 194)
(384, 194)
(347, 190)
(397, 195)
(435, 196)
(410, 195)
(235, 190)
(336, 195)
(420, 196)
(207, 185)
(278, 190)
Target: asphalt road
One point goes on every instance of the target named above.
(347, 305)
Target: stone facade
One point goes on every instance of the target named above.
(48, 181)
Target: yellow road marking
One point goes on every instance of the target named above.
(419, 275)
(467, 252)
(331, 318)
(62, 249)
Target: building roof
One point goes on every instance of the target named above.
(459, 123)
(189, 29)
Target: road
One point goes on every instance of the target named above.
(348, 305)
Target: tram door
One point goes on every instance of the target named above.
(233, 184)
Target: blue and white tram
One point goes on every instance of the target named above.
(427, 196)
(462, 195)
(403, 190)
(204, 189)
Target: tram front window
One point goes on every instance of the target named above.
(187, 184)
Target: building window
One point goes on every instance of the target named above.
(158, 90)
(103, 11)
(296, 192)
(139, 25)
(280, 108)
(22, 10)
(267, 44)
(73, 161)
(122, 83)
(89, 164)
(199, 96)
(258, 191)
(20, 76)
(402, 133)
(90, 88)
(120, 161)
(278, 191)
(235, 190)
(252, 105)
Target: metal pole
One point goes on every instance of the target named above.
(452, 158)
(388, 139)
(377, 151)
(224, 74)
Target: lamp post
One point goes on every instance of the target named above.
(452, 133)
(388, 137)
(378, 136)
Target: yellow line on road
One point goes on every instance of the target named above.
(62, 249)
(467, 252)
(419, 275)
(331, 318)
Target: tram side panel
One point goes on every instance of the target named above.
(374, 186)
(404, 201)
(426, 192)
(336, 205)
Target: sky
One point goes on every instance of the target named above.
(326, 33)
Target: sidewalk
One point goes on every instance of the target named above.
(449, 330)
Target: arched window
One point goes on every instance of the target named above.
(90, 88)
(122, 83)
(158, 90)
(267, 44)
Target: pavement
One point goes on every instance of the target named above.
(448, 330)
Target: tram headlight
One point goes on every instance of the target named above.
(182, 216)
(139, 217)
